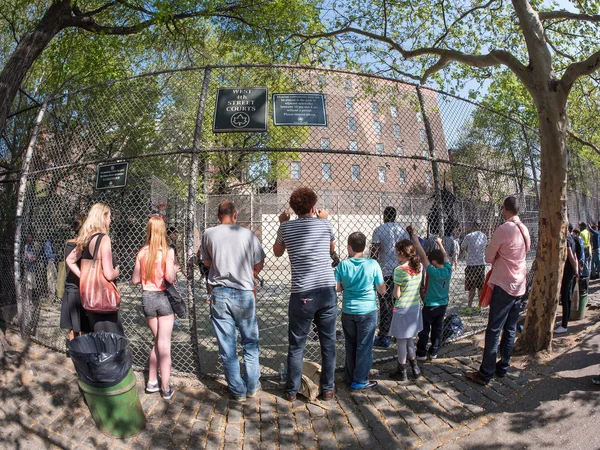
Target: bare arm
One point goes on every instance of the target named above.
(71, 262)
(170, 270)
(442, 249)
(397, 291)
(258, 267)
(109, 271)
(420, 251)
(573, 261)
(338, 286)
(381, 288)
(136, 276)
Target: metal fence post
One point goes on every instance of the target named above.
(434, 164)
(191, 215)
(19, 223)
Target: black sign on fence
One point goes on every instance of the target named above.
(299, 109)
(113, 175)
(243, 109)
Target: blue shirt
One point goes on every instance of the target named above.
(359, 278)
(438, 285)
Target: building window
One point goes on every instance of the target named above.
(425, 153)
(375, 107)
(321, 79)
(402, 176)
(399, 150)
(394, 111)
(428, 178)
(381, 173)
(326, 170)
(349, 103)
(351, 124)
(419, 116)
(348, 84)
(325, 143)
(295, 143)
(295, 170)
(422, 135)
(353, 146)
(379, 147)
(377, 127)
(355, 173)
(397, 131)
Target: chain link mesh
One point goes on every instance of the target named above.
(442, 162)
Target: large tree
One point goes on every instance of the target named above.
(34, 25)
(547, 50)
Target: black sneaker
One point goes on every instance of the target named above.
(168, 394)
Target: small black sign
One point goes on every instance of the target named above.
(299, 109)
(112, 175)
(243, 109)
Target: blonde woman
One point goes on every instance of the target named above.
(154, 264)
(96, 227)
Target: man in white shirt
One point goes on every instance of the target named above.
(384, 239)
(473, 246)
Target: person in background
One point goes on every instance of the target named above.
(506, 252)
(587, 249)
(384, 239)
(407, 320)
(30, 259)
(155, 264)
(96, 227)
(595, 241)
(309, 241)
(360, 279)
(234, 255)
(51, 272)
(473, 246)
(72, 314)
(439, 273)
(570, 275)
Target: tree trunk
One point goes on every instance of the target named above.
(4, 346)
(551, 250)
(30, 47)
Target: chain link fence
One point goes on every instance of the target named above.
(444, 163)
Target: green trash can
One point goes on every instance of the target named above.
(103, 363)
(116, 410)
(579, 304)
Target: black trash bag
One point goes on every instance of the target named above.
(452, 327)
(101, 359)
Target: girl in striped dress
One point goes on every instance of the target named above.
(407, 320)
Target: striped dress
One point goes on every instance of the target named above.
(407, 320)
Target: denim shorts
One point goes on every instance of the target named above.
(156, 304)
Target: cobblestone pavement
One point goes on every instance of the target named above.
(42, 408)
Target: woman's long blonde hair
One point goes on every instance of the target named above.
(156, 240)
(94, 223)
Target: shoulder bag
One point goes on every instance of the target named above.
(97, 293)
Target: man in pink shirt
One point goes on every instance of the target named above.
(506, 252)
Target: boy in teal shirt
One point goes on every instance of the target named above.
(359, 278)
(439, 272)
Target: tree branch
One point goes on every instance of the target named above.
(562, 14)
(583, 142)
(540, 58)
(580, 69)
(94, 12)
(461, 17)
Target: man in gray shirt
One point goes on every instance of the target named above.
(234, 255)
(384, 239)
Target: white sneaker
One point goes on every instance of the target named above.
(152, 387)
(421, 358)
(560, 330)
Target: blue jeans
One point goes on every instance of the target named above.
(319, 305)
(231, 308)
(504, 313)
(359, 332)
(595, 262)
